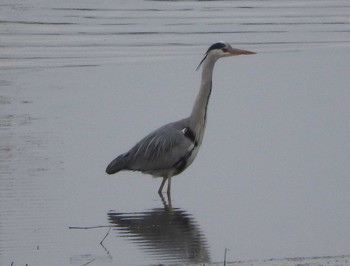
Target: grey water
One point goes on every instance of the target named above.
(82, 81)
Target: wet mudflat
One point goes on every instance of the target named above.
(82, 81)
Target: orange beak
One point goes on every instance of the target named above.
(234, 51)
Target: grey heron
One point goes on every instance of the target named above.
(170, 149)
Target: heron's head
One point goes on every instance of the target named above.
(222, 49)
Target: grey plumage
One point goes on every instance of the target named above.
(171, 148)
(155, 154)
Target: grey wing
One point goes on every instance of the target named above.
(162, 149)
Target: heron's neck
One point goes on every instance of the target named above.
(199, 111)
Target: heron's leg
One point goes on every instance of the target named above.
(167, 205)
(162, 185)
(169, 185)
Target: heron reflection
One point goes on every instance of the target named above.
(167, 234)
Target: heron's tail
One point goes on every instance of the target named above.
(116, 165)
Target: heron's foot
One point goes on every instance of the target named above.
(167, 204)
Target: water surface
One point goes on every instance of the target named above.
(82, 81)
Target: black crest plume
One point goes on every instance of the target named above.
(218, 45)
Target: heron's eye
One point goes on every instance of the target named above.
(224, 50)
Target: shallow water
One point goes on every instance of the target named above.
(82, 81)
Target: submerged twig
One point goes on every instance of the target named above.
(106, 235)
(225, 256)
(94, 227)
(88, 262)
(89, 227)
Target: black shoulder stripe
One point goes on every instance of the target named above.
(190, 135)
